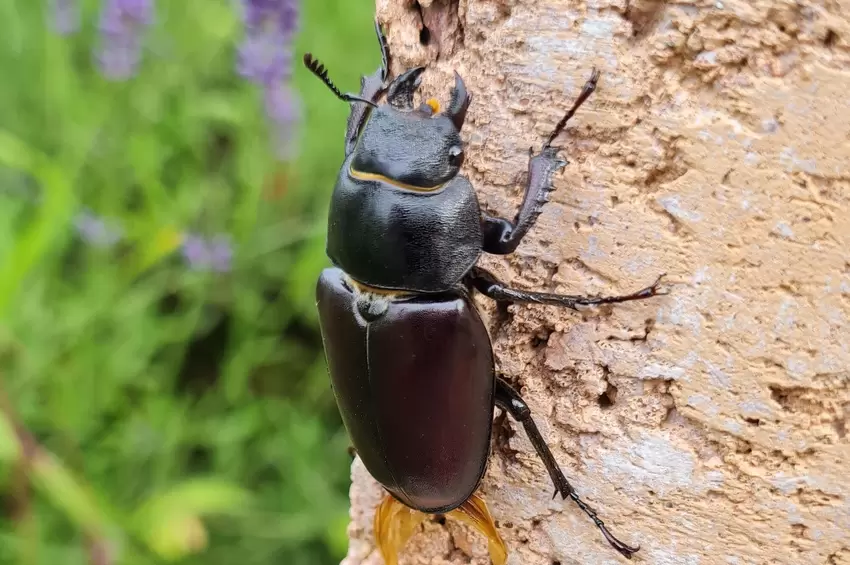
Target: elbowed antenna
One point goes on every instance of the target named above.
(318, 69)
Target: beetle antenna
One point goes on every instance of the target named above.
(318, 69)
(588, 89)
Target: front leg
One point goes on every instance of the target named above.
(509, 400)
(371, 88)
(502, 236)
(488, 285)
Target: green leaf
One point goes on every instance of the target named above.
(306, 269)
(217, 107)
(10, 447)
(51, 218)
(163, 243)
(59, 485)
(336, 535)
(177, 536)
(16, 154)
(170, 523)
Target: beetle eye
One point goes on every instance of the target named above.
(456, 156)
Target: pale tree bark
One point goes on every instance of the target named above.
(709, 425)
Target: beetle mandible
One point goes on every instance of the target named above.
(410, 360)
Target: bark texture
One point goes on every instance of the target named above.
(710, 426)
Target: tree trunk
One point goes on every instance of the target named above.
(709, 426)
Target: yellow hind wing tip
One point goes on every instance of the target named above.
(394, 524)
(475, 513)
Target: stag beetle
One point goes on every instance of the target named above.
(410, 360)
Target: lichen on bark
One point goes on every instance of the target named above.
(709, 425)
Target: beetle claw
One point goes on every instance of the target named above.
(625, 550)
(547, 160)
(653, 289)
(565, 489)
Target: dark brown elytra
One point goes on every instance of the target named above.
(410, 360)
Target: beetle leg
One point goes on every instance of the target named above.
(502, 236)
(509, 400)
(371, 88)
(385, 51)
(586, 91)
(485, 283)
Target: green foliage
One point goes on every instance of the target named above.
(181, 415)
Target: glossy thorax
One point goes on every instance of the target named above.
(401, 217)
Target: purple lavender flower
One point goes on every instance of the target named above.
(201, 254)
(283, 13)
(266, 53)
(221, 253)
(96, 230)
(122, 23)
(283, 110)
(65, 16)
(195, 251)
(265, 58)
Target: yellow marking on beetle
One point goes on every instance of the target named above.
(434, 104)
(360, 175)
(395, 523)
(366, 289)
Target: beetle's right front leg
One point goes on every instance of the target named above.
(502, 236)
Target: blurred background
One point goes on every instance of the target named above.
(165, 169)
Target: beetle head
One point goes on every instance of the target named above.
(417, 149)
(414, 148)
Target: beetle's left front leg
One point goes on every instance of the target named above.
(501, 236)
(371, 88)
(509, 400)
(488, 285)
